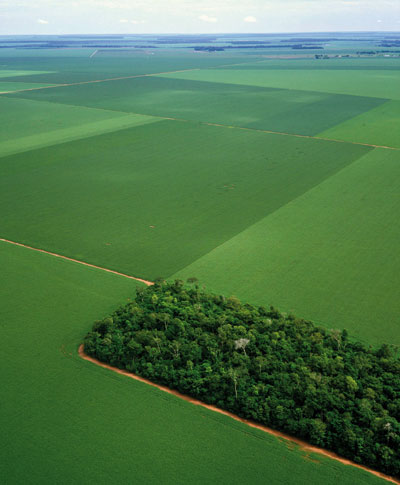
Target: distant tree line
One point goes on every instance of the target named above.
(279, 370)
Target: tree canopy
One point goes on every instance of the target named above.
(279, 370)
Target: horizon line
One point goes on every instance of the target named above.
(213, 33)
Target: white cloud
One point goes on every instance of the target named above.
(42, 21)
(379, 21)
(134, 22)
(206, 18)
(250, 19)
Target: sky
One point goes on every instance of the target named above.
(196, 16)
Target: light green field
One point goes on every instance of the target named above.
(373, 83)
(13, 73)
(65, 420)
(32, 124)
(150, 200)
(330, 255)
(9, 87)
(380, 126)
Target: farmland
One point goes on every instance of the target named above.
(255, 173)
(104, 213)
(352, 254)
(60, 411)
(368, 82)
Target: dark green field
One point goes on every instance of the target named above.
(139, 175)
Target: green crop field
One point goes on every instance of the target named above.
(150, 200)
(375, 83)
(11, 86)
(282, 110)
(66, 420)
(177, 174)
(31, 124)
(379, 126)
(13, 73)
(77, 65)
(338, 238)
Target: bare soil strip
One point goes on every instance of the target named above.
(96, 81)
(302, 444)
(148, 283)
(300, 136)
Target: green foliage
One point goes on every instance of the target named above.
(278, 370)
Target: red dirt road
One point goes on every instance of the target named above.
(302, 444)
(148, 283)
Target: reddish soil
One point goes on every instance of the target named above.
(148, 283)
(302, 444)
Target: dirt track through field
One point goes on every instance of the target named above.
(302, 444)
(148, 283)
(96, 81)
(302, 136)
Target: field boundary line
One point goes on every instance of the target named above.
(146, 282)
(98, 81)
(296, 135)
(302, 444)
(207, 123)
(116, 78)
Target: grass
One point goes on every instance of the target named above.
(76, 65)
(371, 83)
(301, 112)
(150, 200)
(342, 64)
(6, 73)
(32, 124)
(11, 86)
(330, 255)
(66, 420)
(380, 126)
